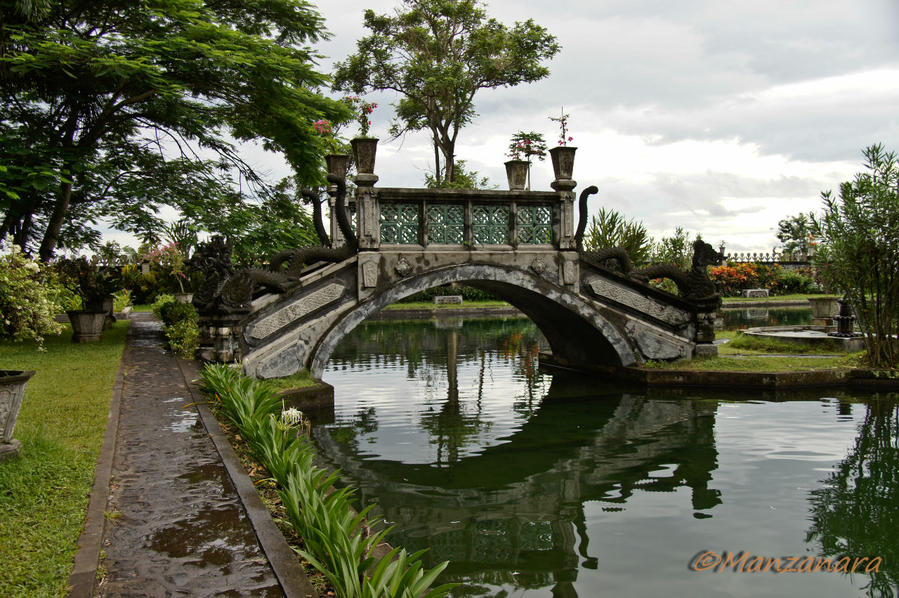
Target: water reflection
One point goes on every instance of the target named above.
(855, 511)
(531, 483)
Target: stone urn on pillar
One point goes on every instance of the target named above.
(563, 162)
(337, 164)
(517, 173)
(364, 150)
(12, 390)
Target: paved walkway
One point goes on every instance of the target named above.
(175, 525)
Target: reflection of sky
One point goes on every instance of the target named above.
(770, 455)
(403, 403)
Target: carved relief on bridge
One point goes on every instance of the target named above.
(666, 313)
(295, 310)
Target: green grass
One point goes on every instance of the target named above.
(761, 363)
(463, 305)
(44, 491)
(299, 380)
(741, 344)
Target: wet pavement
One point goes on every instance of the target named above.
(175, 525)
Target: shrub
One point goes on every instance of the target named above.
(860, 242)
(173, 312)
(796, 281)
(468, 294)
(27, 297)
(161, 300)
(183, 337)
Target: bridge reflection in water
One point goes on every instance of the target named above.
(502, 497)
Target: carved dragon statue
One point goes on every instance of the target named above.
(295, 259)
(224, 289)
(691, 284)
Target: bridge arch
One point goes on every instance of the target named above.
(576, 331)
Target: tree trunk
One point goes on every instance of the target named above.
(436, 161)
(449, 148)
(56, 221)
(23, 231)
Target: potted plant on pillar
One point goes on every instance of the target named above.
(523, 146)
(563, 155)
(364, 147)
(95, 286)
(516, 169)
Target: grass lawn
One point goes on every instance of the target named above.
(44, 491)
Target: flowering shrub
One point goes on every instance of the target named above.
(731, 279)
(564, 137)
(363, 110)
(27, 297)
(169, 260)
(527, 144)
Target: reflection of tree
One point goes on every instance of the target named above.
(451, 426)
(856, 512)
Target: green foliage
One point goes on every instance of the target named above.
(673, 250)
(468, 294)
(28, 293)
(105, 105)
(121, 300)
(90, 281)
(183, 337)
(464, 179)
(437, 55)
(335, 537)
(609, 228)
(161, 301)
(860, 245)
(796, 233)
(179, 324)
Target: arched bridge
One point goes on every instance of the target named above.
(518, 245)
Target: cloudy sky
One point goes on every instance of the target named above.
(719, 116)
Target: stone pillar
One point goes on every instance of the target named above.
(368, 212)
(565, 234)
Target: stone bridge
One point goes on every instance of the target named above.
(518, 245)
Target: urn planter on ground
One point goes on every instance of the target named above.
(12, 390)
(87, 326)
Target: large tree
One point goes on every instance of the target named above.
(437, 54)
(89, 86)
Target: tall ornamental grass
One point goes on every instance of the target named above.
(336, 538)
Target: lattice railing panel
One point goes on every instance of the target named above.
(534, 225)
(490, 224)
(400, 223)
(446, 224)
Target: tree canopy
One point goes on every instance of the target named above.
(437, 54)
(112, 108)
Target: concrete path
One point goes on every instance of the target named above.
(174, 525)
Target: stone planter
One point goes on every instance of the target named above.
(184, 297)
(517, 173)
(337, 164)
(12, 390)
(87, 326)
(104, 305)
(563, 162)
(364, 150)
(823, 310)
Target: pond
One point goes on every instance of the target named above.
(737, 318)
(538, 484)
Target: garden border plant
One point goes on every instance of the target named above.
(337, 539)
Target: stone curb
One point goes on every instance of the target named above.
(765, 304)
(280, 555)
(87, 556)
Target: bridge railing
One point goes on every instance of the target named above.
(452, 219)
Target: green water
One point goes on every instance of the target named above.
(538, 485)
